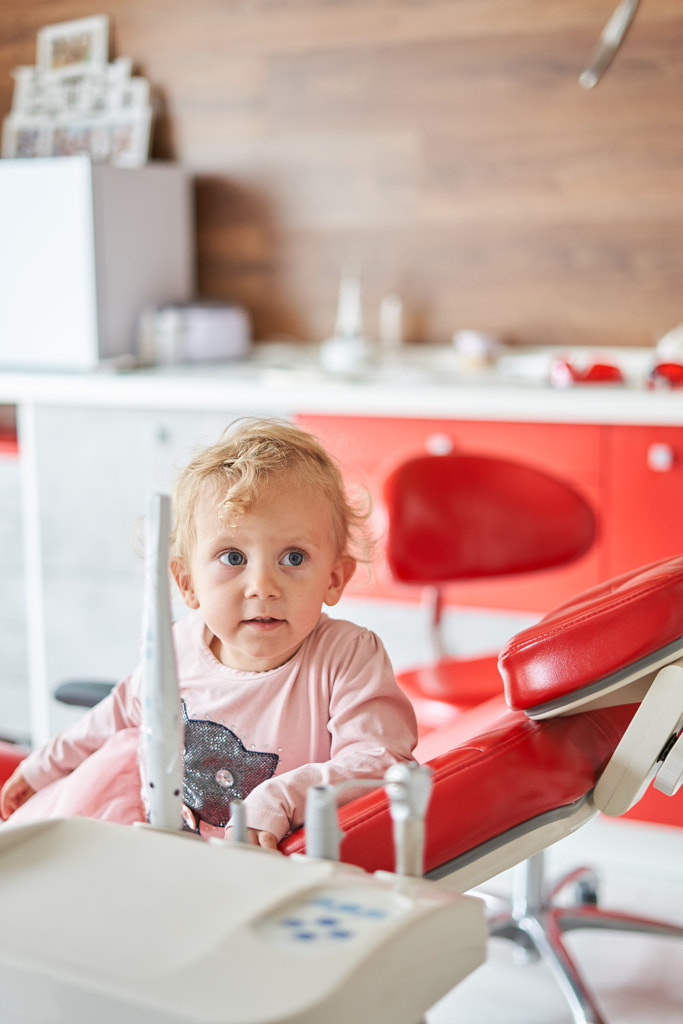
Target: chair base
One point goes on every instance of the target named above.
(536, 923)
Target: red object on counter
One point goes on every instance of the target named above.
(666, 375)
(562, 374)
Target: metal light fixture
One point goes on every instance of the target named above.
(611, 38)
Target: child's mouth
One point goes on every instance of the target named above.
(263, 622)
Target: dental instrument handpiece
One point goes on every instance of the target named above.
(162, 729)
(323, 834)
(238, 822)
(408, 787)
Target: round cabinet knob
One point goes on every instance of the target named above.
(439, 444)
(660, 457)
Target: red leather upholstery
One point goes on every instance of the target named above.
(441, 691)
(598, 633)
(507, 770)
(455, 517)
(10, 756)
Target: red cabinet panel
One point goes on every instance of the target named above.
(366, 446)
(643, 502)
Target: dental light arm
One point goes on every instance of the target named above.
(611, 38)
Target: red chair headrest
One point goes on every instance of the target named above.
(455, 517)
(579, 647)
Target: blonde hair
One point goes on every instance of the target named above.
(252, 452)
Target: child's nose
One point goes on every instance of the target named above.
(261, 581)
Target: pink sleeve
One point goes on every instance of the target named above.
(65, 751)
(371, 724)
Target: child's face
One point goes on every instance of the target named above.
(261, 580)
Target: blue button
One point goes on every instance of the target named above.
(341, 933)
(305, 936)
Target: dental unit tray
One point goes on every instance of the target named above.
(152, 925)
(109, 923)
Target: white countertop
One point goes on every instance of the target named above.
(427, 383)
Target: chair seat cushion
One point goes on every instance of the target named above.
(502, 772)
(591, 644)
(439, 692)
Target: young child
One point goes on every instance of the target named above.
(276, 696)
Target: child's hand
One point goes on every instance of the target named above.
(257, 838)
(15, 792)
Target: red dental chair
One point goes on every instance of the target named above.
(593, 712)
(457, 517)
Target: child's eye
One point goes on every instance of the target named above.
(294, 558)
(232, 558)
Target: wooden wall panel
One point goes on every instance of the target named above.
(443, 147)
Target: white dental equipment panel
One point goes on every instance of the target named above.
(109, 923)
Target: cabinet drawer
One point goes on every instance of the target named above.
(644, 495)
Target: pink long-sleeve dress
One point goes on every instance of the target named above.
(332, 713)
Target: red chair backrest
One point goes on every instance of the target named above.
(601, 632)
(457, 517)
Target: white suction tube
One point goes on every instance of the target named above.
(162, 728)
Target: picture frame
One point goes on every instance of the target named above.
(70, 138)
(24, 137)
(134, 96)
(28, 88)
(129, 139)
(73, 101)
(74, 47)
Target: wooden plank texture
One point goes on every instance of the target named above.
(445, 148)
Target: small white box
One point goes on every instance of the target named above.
(203, 332)
(215, 332)
(83, 249)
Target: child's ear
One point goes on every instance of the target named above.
(184, 583)
(342, 571)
